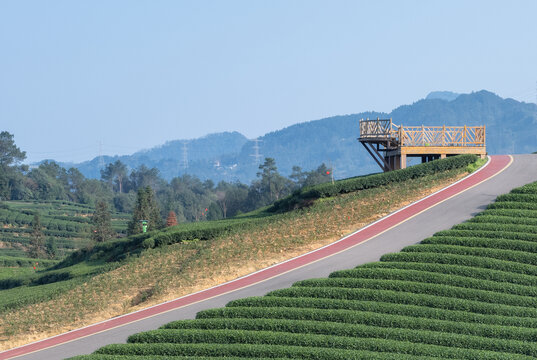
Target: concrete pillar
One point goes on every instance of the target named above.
(403, 161)
(442, 156)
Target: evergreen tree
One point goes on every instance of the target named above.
(146, 209)
(214, 212)
(115, 173)
(10, 157)
(321, 175)
(171, 220)
(37, 239)
(298, 176)
(270, 187)
(102, 223)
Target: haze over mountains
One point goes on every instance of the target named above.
(510, 129)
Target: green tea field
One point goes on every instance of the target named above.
(465, 293)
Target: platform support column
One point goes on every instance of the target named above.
(402, 161)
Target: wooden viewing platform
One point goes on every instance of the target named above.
(390, 144)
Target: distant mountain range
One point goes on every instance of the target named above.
(511, 128)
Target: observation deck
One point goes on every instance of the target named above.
(391, 144)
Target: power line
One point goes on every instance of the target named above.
(101, 160)
(257, 156)
(185, 155)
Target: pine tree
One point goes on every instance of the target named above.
(102, 223)
(146, 209)
(37, 239)
(171, 220)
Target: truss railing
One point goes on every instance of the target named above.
(384, 129)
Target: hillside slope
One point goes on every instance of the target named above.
(123, 275)
(464, 293)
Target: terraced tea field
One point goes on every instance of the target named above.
(464, 293)
(68, 223)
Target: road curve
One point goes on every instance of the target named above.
(404, 227)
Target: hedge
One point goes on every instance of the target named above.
(227, 337)
(509, 255)
(436, 278)
(346, 317)
(417, 287)
(513, 205)
(464, 260)
(373, 181)
(518, 197)
(506, 244)
(496, 219)
(496, 227)
(9, 261)
(383, 307)
(193, 330)
(468, 271)
(165, 357)
(433, 301)
(526, 189)
(254, 351)
(162, 357)
(510, 212)
(489, 234)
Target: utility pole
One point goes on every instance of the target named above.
(257, 156)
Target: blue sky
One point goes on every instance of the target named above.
(135, 74)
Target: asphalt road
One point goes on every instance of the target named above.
(423, 224)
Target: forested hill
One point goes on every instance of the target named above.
(511, 128)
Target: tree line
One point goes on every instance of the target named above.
(187, 197)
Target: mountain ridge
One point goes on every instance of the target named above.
(333, 140)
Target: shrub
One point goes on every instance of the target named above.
(372, 181)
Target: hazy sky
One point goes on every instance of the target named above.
(134, 74)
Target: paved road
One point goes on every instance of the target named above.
(403, 228)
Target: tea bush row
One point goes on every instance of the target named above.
(463, 260)
(335, 334)
(302, 340)
(252, 351)
(448, 269)
(490, 234)
(501, 254)
(382, 320)
(418, 287)
(505, 244)
(392, 296)
(383, 307)
(437, 278)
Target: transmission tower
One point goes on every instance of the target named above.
(185, 155)
(101, 160)
(257, 156)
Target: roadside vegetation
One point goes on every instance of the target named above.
(118, 276)
(465, 293)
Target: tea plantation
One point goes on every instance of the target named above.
(465, 293)
(67, 222)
